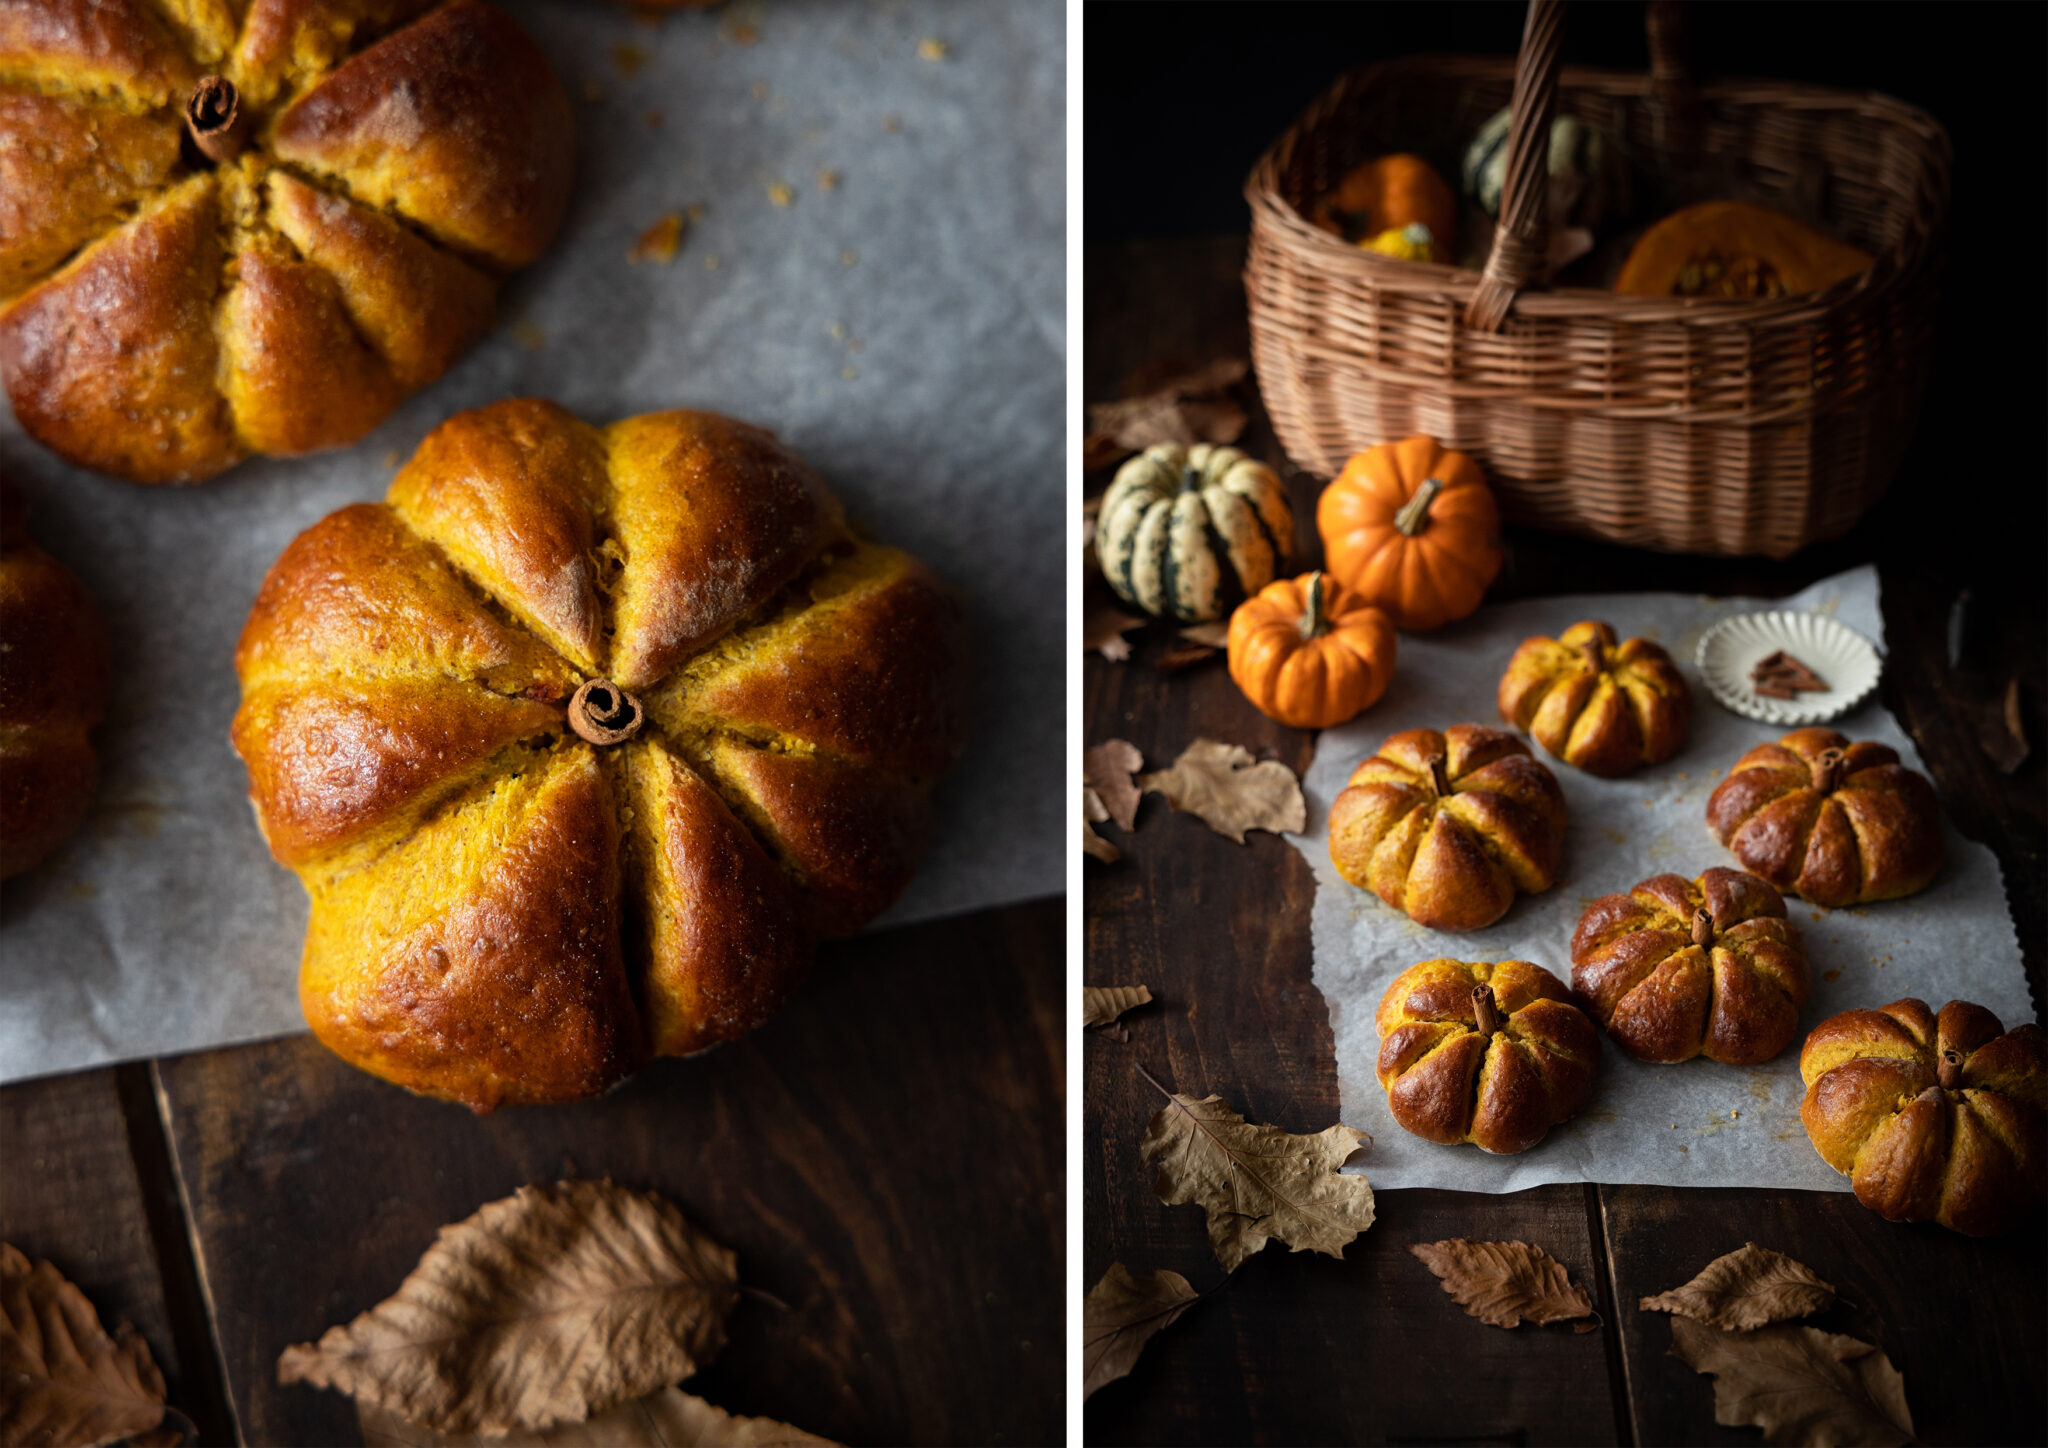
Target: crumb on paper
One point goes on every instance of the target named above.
(629, 57)
(529, 335)
(892, 123)
(837, 331)
(856, 344)
(759, 90)
(849, 372)
(849, 257)
(1835, 974)
(931, 48)
(780, 194)
(696, 213)
(660, 242)
(828, 180)
(711, 261)
(391, 459)
(741, 34)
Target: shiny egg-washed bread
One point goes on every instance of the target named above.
(53, 687)
(503, 911)
(1833, 822)
(1447, 826)
(1938, 1118)
(163, 316)
(1679, 968)
(1603, 706)
(1493, 1054)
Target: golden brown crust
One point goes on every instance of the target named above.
(1450, 854)
(1605, 707)
(1835, 822)
(53, 682)
(1667, 994)
(164, 324)
(1449, 1082)
(1971, 1154)
(404, 684)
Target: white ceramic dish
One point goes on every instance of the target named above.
(1845, 660)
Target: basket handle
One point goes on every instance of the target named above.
(1521, 239)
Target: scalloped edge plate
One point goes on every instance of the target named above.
(1849, 663)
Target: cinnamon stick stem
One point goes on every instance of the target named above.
(1949, 1071)
(1485, 1010)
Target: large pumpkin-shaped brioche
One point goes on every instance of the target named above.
(1605, 707)
(1491, 1054)
(323, 237)
(1835, 822)
(581, 739)
(1412, 528)
(53, 688)
(1933, 1118)
(1446, 827)
(1190, 532)
(1309, 653)
(1676, 969)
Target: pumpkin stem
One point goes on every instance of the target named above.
(1414, 514)
(1595, 655)
(604, 713)
(1827, 770)
(1702, 927)
(1949, 1073)
(1485, 1010)
(215, 121)
(1315, 621)
(1438, 777)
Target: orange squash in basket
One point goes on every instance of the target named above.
(1731, 249)
(1387, 194)
(1412, 528)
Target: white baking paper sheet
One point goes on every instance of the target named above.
(902, 328)
(1696, 1124)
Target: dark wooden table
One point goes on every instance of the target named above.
(886, 1156)
(1298, 1348)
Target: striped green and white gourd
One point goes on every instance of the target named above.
(1189, 533)
(1576, 150)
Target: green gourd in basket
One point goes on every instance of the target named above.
(1188, 533)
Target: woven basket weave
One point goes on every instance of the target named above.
(1686, 425)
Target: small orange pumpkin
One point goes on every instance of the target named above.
(1387, 194)
(1731, 249)
(1411, 527)
(1310, 653)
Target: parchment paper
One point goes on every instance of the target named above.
(904, 330)
(1696, 1124)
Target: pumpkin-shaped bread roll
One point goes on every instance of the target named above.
(1940, 1118)
(581, 739)
(53, 690)
(1491, 1054)
(1447, 826)
(1833, 822)
(1603, 707)
(257, 227)
(1709, 967)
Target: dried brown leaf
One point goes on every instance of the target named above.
(1101, 1004)
(1257, 1182)
(1092, 814)
(1230, 791)
(1747, 1289)
(2004, 732)
(1504, 1283)
(1184, 409)
(547, 1306)
(670, 1418)
(1215, 634)
(1799, 1384)
(1184, 656)
(1108, 768)
(1100, 449)
(1104, 630)
(63, 1379)
(1121, 1315)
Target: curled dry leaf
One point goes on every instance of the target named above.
(1257, 1182)
(2003, 733)
(62, 1378)
(1101, 1004)
(1230, 791)
(1215, 633)
(1121, 1315)
(1104, 630)
(548, 1306)
(1505, 1283)
(1799, 1384)
(1184, 656)
(1747, 1289)
(670, 1418)
(1093, 814)
(1185, 409)
(1108, 768)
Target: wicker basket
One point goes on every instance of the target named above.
(1691, 426)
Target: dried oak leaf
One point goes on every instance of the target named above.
(1799, 1384)
(547, 1306)
(1184, 409)
(1504, 1283)
(1257, 1182)
(1104, 630)
(1747, 1289)
(1230, 791)
(670, 1418)
(62, 1378)
(1108, 768)
(1121, 1315)
(1093, 813)
(1101, 1004)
